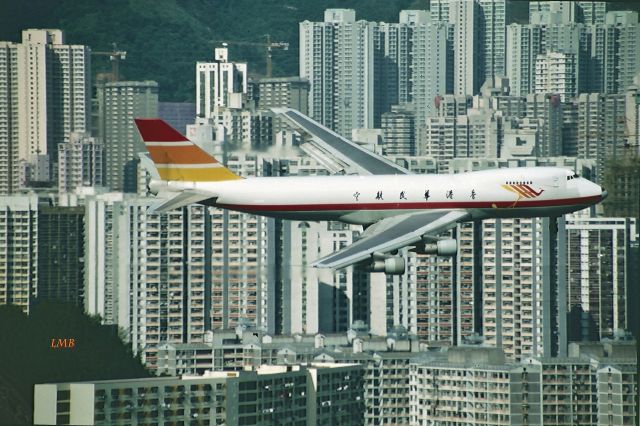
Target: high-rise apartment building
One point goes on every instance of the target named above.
(556, 73)
(119, 103)
(524, 44)
(622, 179)
(45, 95)
(399, 132)
(61, 261)
(478, 40)
(80, 163)
(598, 275)
(246, 129)
(337, 56)
(602, 127)
(18, 250)
(587, 12)
(241, 281)
(475, 134)
(292, 92)
(374, 66)
(219, 84)
(468, 74)
(432, 67)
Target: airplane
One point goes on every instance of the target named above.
(396, 208)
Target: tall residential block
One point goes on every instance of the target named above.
(61, 261)
(44, 96)
(337, 57)
(602, 128)
(524, 44)
(219, 84)
(41, 252)
(18, 250)
(622, 180)
(556, 73)
(81, 162)
(478, 41)
(118, 104)
(587, 12)
(399, 132)
(599, 275)
(269, 92)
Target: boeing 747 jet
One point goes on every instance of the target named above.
(396, 208)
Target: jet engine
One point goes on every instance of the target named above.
(447, 247)
(393, 265)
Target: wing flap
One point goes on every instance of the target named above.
(392, 234)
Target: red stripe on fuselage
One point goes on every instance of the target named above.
(410, 206)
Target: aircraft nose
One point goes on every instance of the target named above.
(604, 194)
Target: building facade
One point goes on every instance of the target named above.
(119, 103)
(301, 394)
(45, 85)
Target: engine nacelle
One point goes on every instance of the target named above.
(391, 265)
(441, 248)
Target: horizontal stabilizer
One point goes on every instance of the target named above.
(182, 199)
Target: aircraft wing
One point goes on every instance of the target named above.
(391, 234)
(336, 152)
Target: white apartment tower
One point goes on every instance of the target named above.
(556, 73)
(219, 84)
(587, 12)
(431, 66)
(478, 41)
(18, 250)
(337, 57)
(45, 87)
(524, 44)
(80, 163)
(148, 273)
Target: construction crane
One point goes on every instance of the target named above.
(268, 45)
(115, 56)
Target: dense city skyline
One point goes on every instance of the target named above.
(527, 310)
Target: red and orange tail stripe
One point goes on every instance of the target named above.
(176, 157)
(523, 190)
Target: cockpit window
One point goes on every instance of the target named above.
(574, 176)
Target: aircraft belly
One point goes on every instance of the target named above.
(359, 217)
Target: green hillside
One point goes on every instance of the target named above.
(27, 358)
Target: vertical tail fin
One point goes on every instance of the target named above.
(176, 157)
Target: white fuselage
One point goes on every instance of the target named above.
(511, 192)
